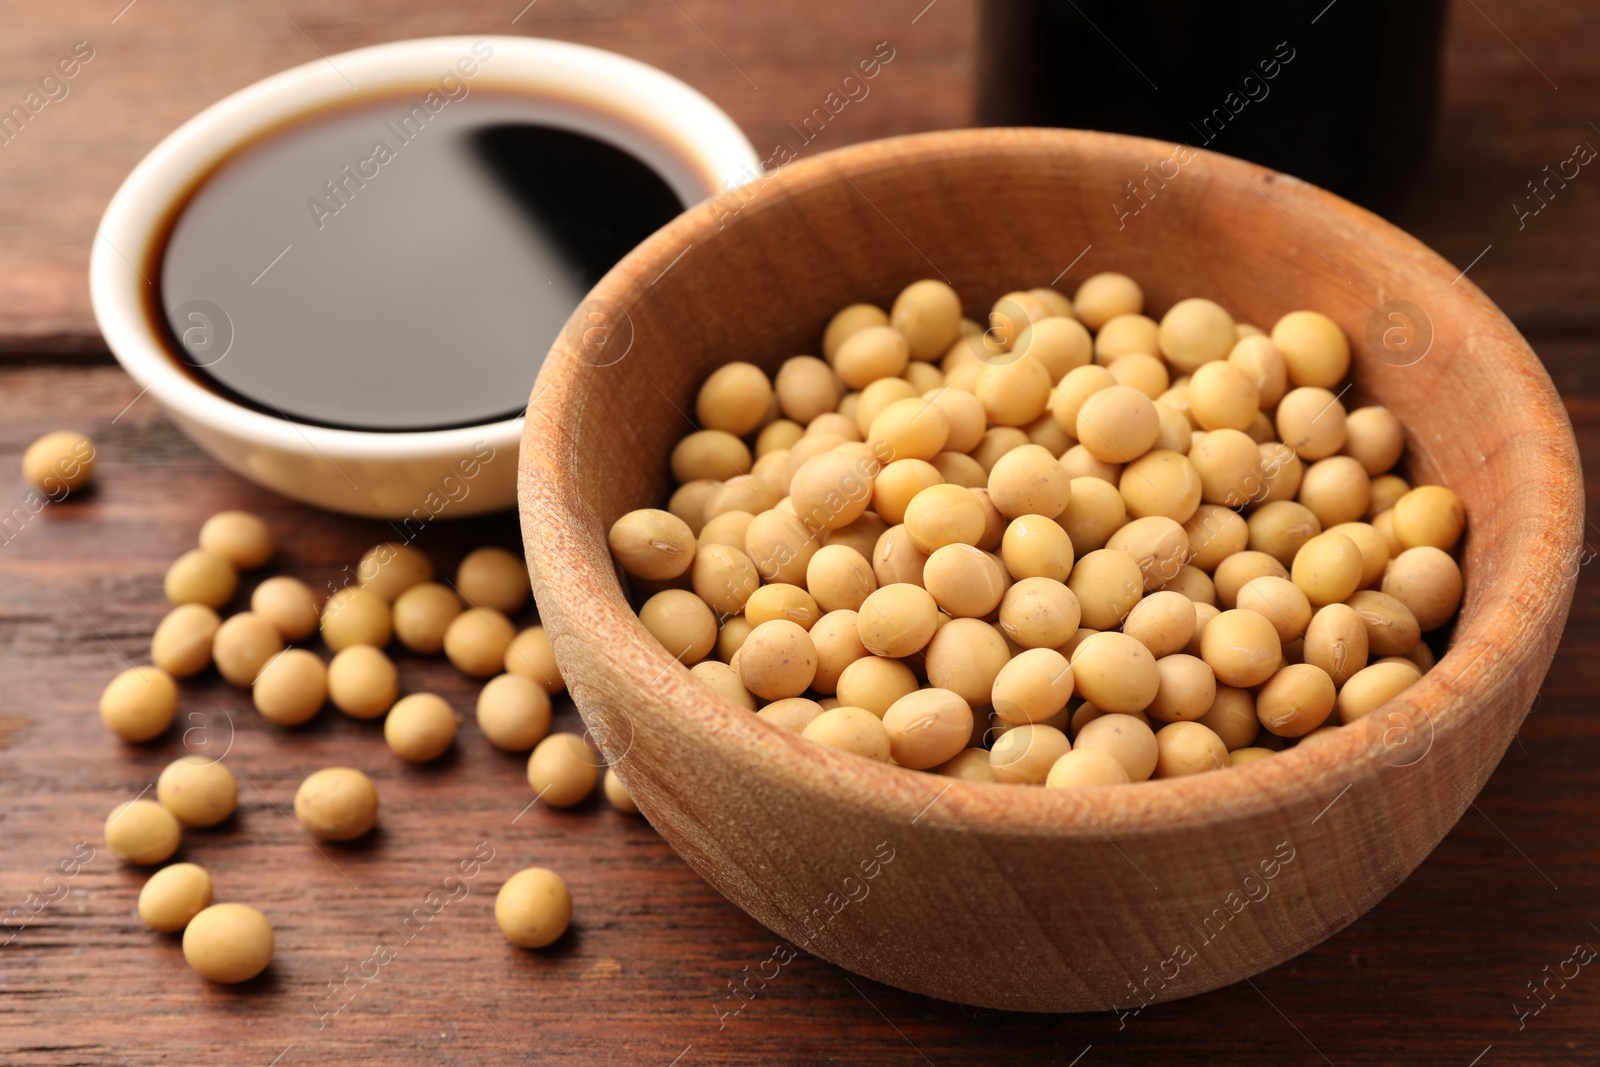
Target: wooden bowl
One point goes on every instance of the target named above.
(1002, 896)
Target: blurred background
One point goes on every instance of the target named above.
(1361, 92)
(1513, 87)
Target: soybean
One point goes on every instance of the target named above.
(181, 645)
(199, 791)
(1023, 755)
(142, 832)
(228, 943)
(139, 703)
(494, 578)
(477, 640)
(1184, 748)
(533, 908)
(363, 682)
(1083, 767)
(174, 895)
(927, 728)
(1125, 738)
(1115, 672)
(1296, 700)
(59, 463)
(289, 605)
(1374, 686)
(238, 537)
(389, 569)
(563, 770)
(243, 645)
(532, 653)
(778, 660)
(423, 613)
(1429, 515)
(1428, 582)
(336, 804)
(356, 616)
(420, 728)
(1242, 647)
(1032, 687)
(853, 730)
(200, 577)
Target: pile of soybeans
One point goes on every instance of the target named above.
(1083, 546)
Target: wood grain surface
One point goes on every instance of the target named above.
(1435, 974)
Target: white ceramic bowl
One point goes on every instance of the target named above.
(686, 138)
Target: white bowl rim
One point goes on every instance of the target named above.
(631, 89)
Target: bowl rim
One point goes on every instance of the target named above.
(1446, 696)
(715, 148)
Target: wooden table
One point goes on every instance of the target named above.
(1433, 975)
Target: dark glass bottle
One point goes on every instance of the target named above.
(1341, 94)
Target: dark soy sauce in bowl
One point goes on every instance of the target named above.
(383, 268)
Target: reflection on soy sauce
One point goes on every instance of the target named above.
(385, 267)
(592, 200)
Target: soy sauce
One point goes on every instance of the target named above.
(387, 268)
